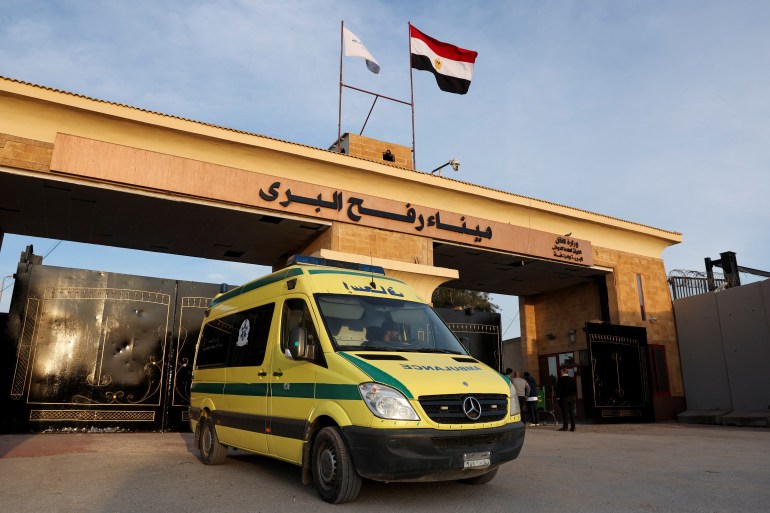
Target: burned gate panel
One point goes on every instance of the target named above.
(97, 345)
(192, 301)
(100, 350)
(620, 374)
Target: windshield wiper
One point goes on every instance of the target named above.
(367, 347)
(434, 350)
(407, 349)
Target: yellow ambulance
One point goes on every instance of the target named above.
(346, 372)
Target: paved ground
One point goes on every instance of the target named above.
(626, 468)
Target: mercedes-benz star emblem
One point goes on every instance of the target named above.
(472, 408)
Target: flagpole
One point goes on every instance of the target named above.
(411, 87)
(339, 115)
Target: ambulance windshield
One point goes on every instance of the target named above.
(385, 324)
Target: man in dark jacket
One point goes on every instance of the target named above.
(566, 393)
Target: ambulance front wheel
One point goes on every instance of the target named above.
(212, 452)
(334, 474)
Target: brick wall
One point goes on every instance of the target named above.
(362, 240)
(25, 153)
(563, 310)
(372, 149)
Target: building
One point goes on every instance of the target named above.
(590, 285)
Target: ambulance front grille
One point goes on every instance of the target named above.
(450, 442)
(448, 409)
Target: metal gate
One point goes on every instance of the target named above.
(620, 374)
(479, 333)
(100, 351)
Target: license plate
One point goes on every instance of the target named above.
(476, 460)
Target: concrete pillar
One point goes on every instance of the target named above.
(529, 349)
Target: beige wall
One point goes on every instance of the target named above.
(373, 242)
(557, 312)
(625, 308)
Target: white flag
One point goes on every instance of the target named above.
(355, 48)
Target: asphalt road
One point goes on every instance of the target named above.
(639, 468)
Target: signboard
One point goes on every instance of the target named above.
(107, 162)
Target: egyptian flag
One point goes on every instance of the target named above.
(452, 66)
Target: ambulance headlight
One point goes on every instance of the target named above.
(386, 402)
(515, 409)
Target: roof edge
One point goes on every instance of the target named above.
(138, 114)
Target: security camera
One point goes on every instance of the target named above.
(454, 163)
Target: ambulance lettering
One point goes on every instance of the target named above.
(372, 289)
(440, 368)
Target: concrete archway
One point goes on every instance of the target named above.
(87, 170)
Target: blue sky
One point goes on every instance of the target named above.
(650, 111)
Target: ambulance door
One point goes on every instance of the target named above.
(247, 384)
(292, 384)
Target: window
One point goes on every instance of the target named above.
(249, 339)
(236, 340)
(213, 345)
(567, 360)
(360, 322)
(641, 296)
(553, 364)
(659, 370)
(297, 315)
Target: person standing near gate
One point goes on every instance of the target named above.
(531, 398)
(522, 391)
(566, 393)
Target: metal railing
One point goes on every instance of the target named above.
(684, 283)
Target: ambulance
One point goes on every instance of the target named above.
(347, 373)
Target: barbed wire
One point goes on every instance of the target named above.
(685, 273)
(745, 277)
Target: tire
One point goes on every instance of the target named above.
(334, 474)
(482, 479)
(211, 451)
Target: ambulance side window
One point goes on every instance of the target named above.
(214, 343)
(297, 315)
(249, 338)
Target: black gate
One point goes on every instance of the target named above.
(479, 333)
(100, 351)
(619, 373)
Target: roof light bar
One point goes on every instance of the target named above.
(311, 260)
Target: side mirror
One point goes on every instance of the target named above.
(298, 343)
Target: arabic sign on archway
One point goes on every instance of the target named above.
(170, 174)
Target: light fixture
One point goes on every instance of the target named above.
(453, 162)
(572, 335)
